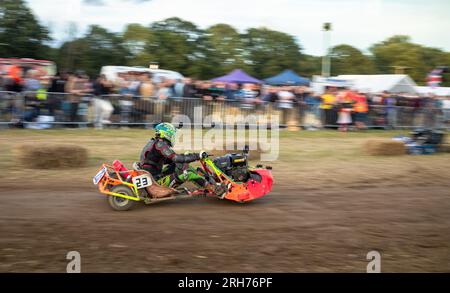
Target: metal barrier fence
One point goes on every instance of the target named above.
(46, 110)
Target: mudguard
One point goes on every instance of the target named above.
(253, 189)
(258, 189)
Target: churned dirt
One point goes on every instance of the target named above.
(330, 206)
(289, 231)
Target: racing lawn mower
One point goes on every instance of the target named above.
(125, 188)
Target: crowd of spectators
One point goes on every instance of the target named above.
(132, 95)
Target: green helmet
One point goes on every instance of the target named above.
(166, 131)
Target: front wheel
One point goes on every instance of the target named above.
(119, 203)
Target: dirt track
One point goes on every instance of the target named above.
(288, 231)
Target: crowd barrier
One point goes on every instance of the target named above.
(46, 110)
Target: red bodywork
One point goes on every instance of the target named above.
(258, 189)
(252, 189)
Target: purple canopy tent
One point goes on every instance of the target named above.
(237, 76)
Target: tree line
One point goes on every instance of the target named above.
(180, 45)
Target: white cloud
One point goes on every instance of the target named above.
(355, 22)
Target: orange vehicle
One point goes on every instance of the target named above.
(125, 188)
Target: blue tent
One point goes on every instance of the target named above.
(287, 77)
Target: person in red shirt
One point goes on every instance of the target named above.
(360, 109)
(15, 74)
(345, 100)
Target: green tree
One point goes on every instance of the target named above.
(399, 52)
(269, 52)
(178, 45)
(309, 65)
(349, 60)
(96, 49)
(21, 35)
(225, 49)
(136, 38)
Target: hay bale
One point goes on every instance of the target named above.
(376, 147)
(445, 148)
(50, 156)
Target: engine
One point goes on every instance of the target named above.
(234, 166)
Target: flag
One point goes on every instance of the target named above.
(434, 78)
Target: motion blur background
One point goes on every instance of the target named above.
(56, 54)
(372, 69)
(205, 39)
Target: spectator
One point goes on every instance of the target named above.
(300, 94)
(178, 88)
(164, 91)
(312, 113)
(205, 91)
(3, 80)
(188, 88)
(416, 104)
(248, 96)
(58, 83)
(271, 95)
(32, 83)
(217, 91)
(85, 99)
(328, 107)
(285, 98)
(56, 92)
(103, 108)
(360, 109)
(199, 91)
(122, 83)
(345, 101)
(15, 78)
(430, 110)
(231, 89)
(146, 89)
(445, 104)
(390, 103)
(75, 88)
(134, 84)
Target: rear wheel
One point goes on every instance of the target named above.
(120, 203)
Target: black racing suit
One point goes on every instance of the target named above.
(158, 152)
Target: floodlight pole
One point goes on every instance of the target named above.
(326, 60)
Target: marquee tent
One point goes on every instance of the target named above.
(438, 91)
(287, 77)
(394, 83)
(237, 76)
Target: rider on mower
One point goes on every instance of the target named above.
(169, 168)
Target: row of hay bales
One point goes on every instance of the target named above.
(54, 156)
(386, 147)
(51, 156)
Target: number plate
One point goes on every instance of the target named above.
(142, 181)
(99, 176)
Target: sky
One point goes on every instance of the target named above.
(359, 23)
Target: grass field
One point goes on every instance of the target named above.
(310, 159)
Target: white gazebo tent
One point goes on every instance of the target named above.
(437, 91)
(377, 83)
